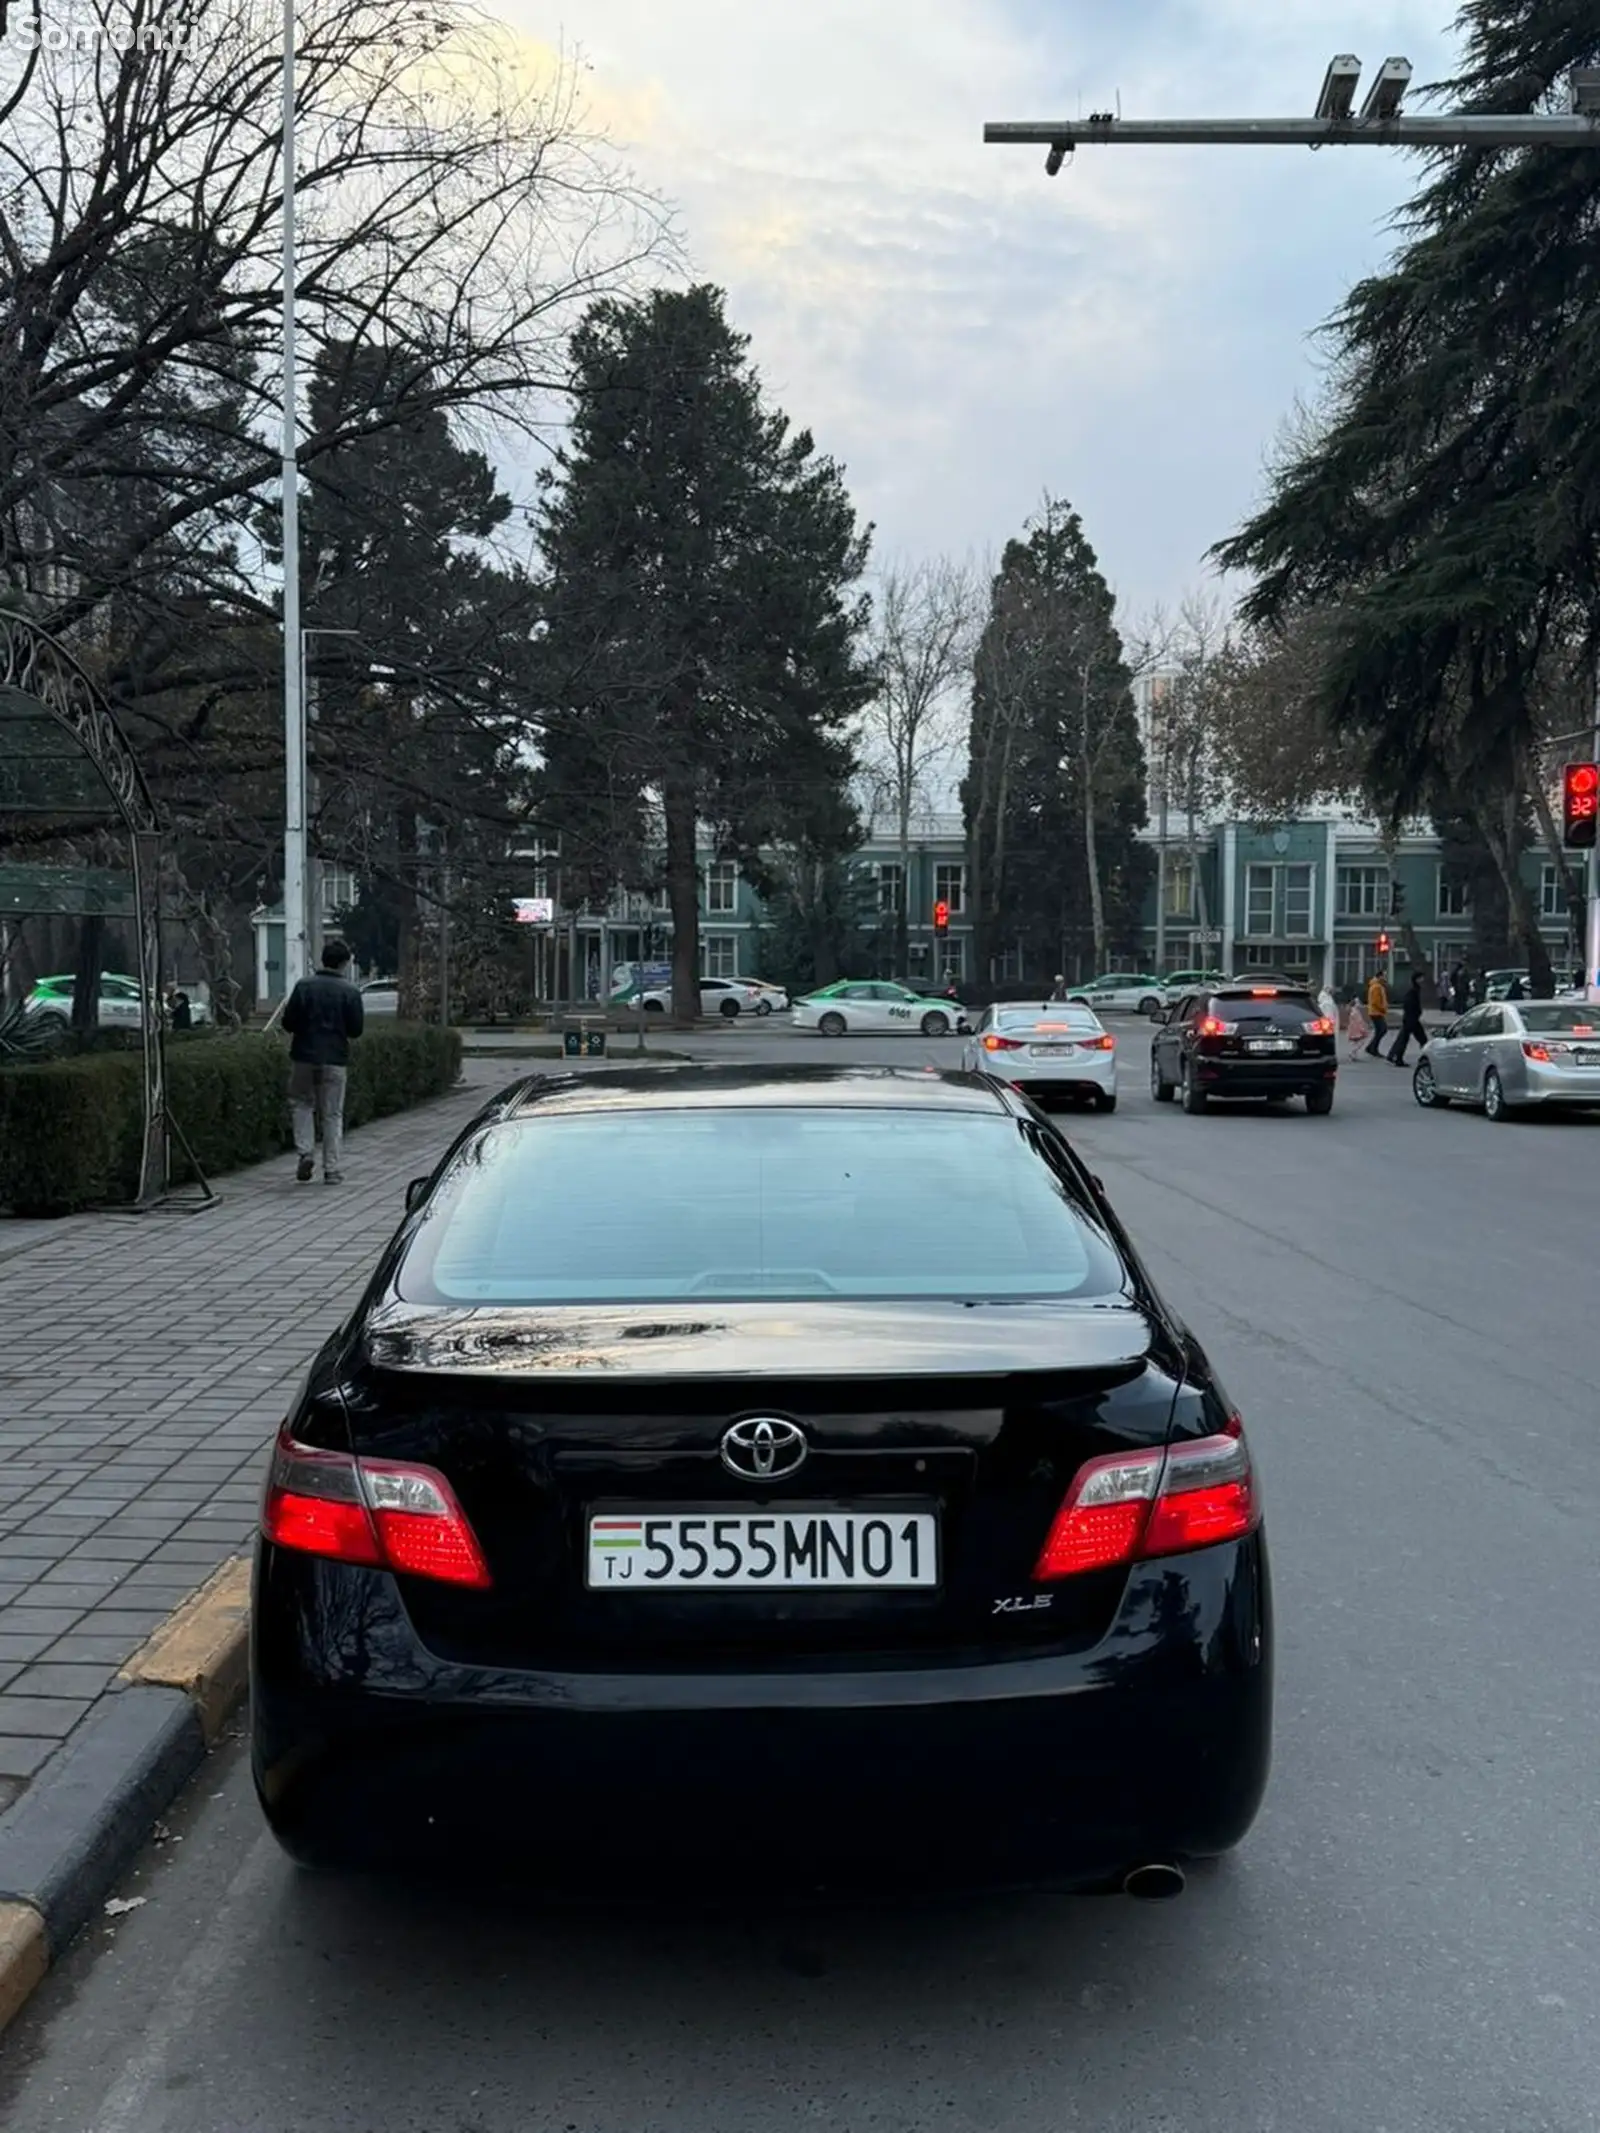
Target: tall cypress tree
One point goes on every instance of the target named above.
(1054, 790)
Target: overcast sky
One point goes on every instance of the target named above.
(964, 333)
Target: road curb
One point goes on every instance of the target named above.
(68, 1840)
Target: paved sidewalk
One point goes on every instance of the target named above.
(145, 1361)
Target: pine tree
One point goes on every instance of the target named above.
(701, 647)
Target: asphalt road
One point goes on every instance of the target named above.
(1403, 1306)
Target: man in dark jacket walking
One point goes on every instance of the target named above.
(322, 1015)
(1411, 1022)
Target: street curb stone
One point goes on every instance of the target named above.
(66, 1843)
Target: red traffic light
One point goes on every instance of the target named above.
(1383, 944)
(941, 917)
(1580, 803)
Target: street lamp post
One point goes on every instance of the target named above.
(296, 946)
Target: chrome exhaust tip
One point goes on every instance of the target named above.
(1155, 1882)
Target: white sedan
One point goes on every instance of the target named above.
(1129, 992)
(876, 1005)
(1059, 1050)
(728, 997)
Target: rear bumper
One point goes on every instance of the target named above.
(1063, 1769)
(1558, 1086)
(1263, 1077)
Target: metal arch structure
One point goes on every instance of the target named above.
(35, 665)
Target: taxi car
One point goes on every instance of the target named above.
(879, 1006)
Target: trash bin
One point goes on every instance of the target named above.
(584, 1038)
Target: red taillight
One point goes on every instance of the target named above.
(373, 1513)
(1002, 1044)
(1540, 1052)
(1135, 1505)
(1098, 1044)
(1322, 1027)
(1212, 1026)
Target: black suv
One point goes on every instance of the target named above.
(1257, 1041)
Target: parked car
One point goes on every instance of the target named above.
(381, 996)
(1121, 991)
(1174, 987)
(1509, 1056)
(770, 999)
(878, 1005)
(728, 997)
(1255, 1041)
(916, 1545)
(1047, 1052)
(49, 1005)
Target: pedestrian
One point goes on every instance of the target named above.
(1328, 1006)
(1377, 1014)
(1059, 990)
(179, 1013)
(1456, 995)
(322, 1015)
(1411, 1022)
(1517, 990)
(1356, 1028)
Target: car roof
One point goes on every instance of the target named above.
(754, 1088)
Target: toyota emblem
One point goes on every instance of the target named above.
(764, 1448)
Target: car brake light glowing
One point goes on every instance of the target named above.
(1003, 1044)
(373, 1513)
(1212, 1026)
(1263, 992)
(1324, 1026)
(1135, 1505)
(1540, 1052)
(1098, 1044)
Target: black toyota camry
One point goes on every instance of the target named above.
(741, 1477)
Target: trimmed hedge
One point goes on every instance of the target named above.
(70, 1130)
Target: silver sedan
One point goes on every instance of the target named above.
(1510, 1055)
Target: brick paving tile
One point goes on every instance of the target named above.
(20, 1757)
(130, 1467)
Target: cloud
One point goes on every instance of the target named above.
(964, 333)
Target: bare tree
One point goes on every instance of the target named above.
(454, 210)
(923, 641)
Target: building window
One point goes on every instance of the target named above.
(1363, 892)
(722, 891)
(1263, 955)
(1352, 964)
(1180, 887)
(1006, 967)
(1452, 894)
(950, 886)
(338, 890)
(1258, 899)
(1277, 902)
(719, 955)
(891, 889)
(1552, 893)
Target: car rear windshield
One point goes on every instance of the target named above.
(1049, 1018)
(1550, 1019)
(765, 1205)
(1279, 1010)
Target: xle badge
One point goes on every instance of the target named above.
(1023, 1603)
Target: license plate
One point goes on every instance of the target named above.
(1269, 1044)
(1050, 1051)
(817, 1550)
(1586, 1058)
